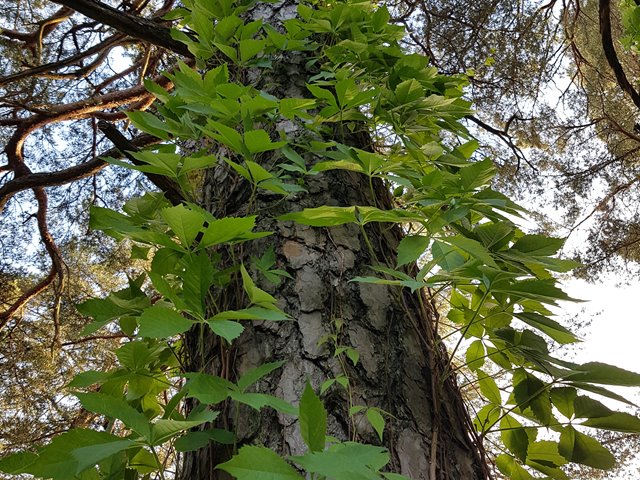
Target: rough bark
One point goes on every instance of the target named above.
(401, 358)
(133, 25)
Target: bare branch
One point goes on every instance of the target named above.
(610, 52)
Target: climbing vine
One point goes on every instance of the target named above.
(460, 244)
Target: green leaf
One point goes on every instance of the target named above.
(475, 355)
(486, 418)
(258, 401)
(313, 420)
(545, 453)
(509, 467)
(88, 378)
(249, 48)
(563, 399)
(91, 455)
(325, 216)
(514, 437)
(473, 248)
(580, 448)
(376, 420)
(226, 329)
(552, 328)
(57, 461)
(538, 245)
(229, 229)
(601, 391)
(227, 135)
(345, 461)
(208, 389)
(164, 429)
(411, 248)
(196, 440)
(617, 421)
(184, 222)
(149, 123)
(256, 295)
(252, 376)
(116, 408)
(489, 388)
(251, 313)
(596, 372)
(259, 463)
(601, 417)
(259, 141)
(17, 463)
(158, 321)
(530, 391)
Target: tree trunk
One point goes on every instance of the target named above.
(401, 359)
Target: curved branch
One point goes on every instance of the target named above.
(132, 25)
(610, 52)
(68, 175)
(57, 266)
(505, 137)
(170, 188)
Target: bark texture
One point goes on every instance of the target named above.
(401, 358)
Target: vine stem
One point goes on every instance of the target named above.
(464, 332)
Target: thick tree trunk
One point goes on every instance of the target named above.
(401, 359)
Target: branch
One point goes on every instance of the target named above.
(134, 26)
(100, 48)
(166, 185)
(68, 175)
(505, 137)
(610, 52)
(57, 267)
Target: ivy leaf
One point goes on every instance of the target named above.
(258, 401)
(256, 295)
(596, 372)
(251, 313)
(259, 463)
(563, 399)
(229, 229)
(158, 321)
(509, 467)
(411, 248)
(538, 245)
(546, 325)
(116, 408)
(489, 388)
(91, 455)
(313, 420)
(149, 123)
(184, 222)
(475, 355)
(546, 453)
(376, 420)
(473, 248)
(514, 437)
(580, 448)
(164, 429)
(255, 374)
(258, 141)
(345, 461)
(226, 329)
(325, 216)
(196, 440)
(208, 389)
